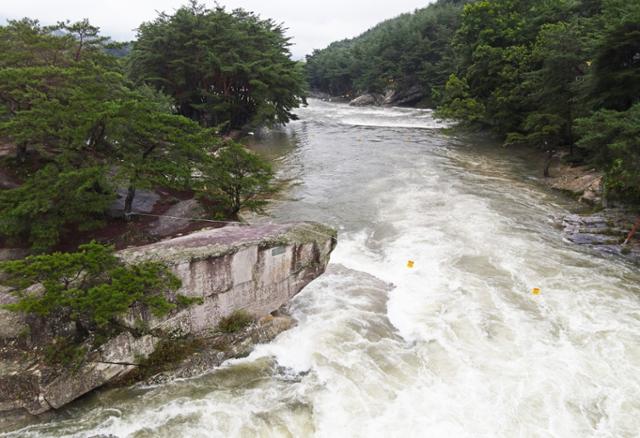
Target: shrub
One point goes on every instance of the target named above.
(235, 322)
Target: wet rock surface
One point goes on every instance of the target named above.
(604, 231)
(144, 202)
(368, 100)
(404, 97)
(216, 348)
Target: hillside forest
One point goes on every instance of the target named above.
(561, 75)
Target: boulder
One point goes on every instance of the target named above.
(370, 99)
(116, 358)
(582, 182)
(404, 97)
(176, 218)
(144, 202)
(604, 232)
(11, 323)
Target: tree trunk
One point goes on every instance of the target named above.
(570, 130)
(633, 232)
(128, 202)
(547, 164)
(21, 153)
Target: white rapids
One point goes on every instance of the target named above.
(456, 347)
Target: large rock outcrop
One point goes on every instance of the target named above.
(370, 99)
(392, 97)
(404, 97)
(251, 268)
(582, 182)
(257, 269)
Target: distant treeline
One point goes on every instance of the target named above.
(554, 74)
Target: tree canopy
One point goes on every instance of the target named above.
(407, 51)
(224, 69)
(89, 290)
(81, 129)
(237, 179)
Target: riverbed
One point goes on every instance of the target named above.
(456, 346)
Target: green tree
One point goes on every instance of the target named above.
(53, 203)
(558, 65)
(616, 65)
(238, 179)
(613, 138)
(152, 146)
(222, 68)
(409, 52)
(90, 288)
(74, 113)
(457, 102)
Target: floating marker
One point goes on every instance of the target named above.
(410, 264)
(536, 291)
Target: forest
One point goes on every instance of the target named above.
(79, 121)
(560, 75)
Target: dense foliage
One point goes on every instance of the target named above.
(88, 118)
(51, 201)
(408, 51)
(82, 129)
(82, 294)
(554, 74)
(224, 69)
(236, 179)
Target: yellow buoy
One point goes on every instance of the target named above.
(536, 291)
(410, 264)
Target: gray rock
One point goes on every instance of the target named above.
(235, 345)
(603, 231)
(116, 358)
(11, 323)
(367, 100)
(172, 221)
(253, 268)
(144, 202)
(13, 253)
(582, 182)
(404, 97)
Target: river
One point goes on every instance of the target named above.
(458, 346)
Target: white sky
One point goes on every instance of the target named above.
(312, 23)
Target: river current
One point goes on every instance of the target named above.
(457, 346)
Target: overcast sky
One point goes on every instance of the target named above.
(312, 23)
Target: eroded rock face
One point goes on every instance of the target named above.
(405, 97)
(257, 269)
(582, 182)
(367, 100)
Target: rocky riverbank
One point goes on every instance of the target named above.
(253, 269)
(605, 227)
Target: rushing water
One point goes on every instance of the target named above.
(459, 347)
